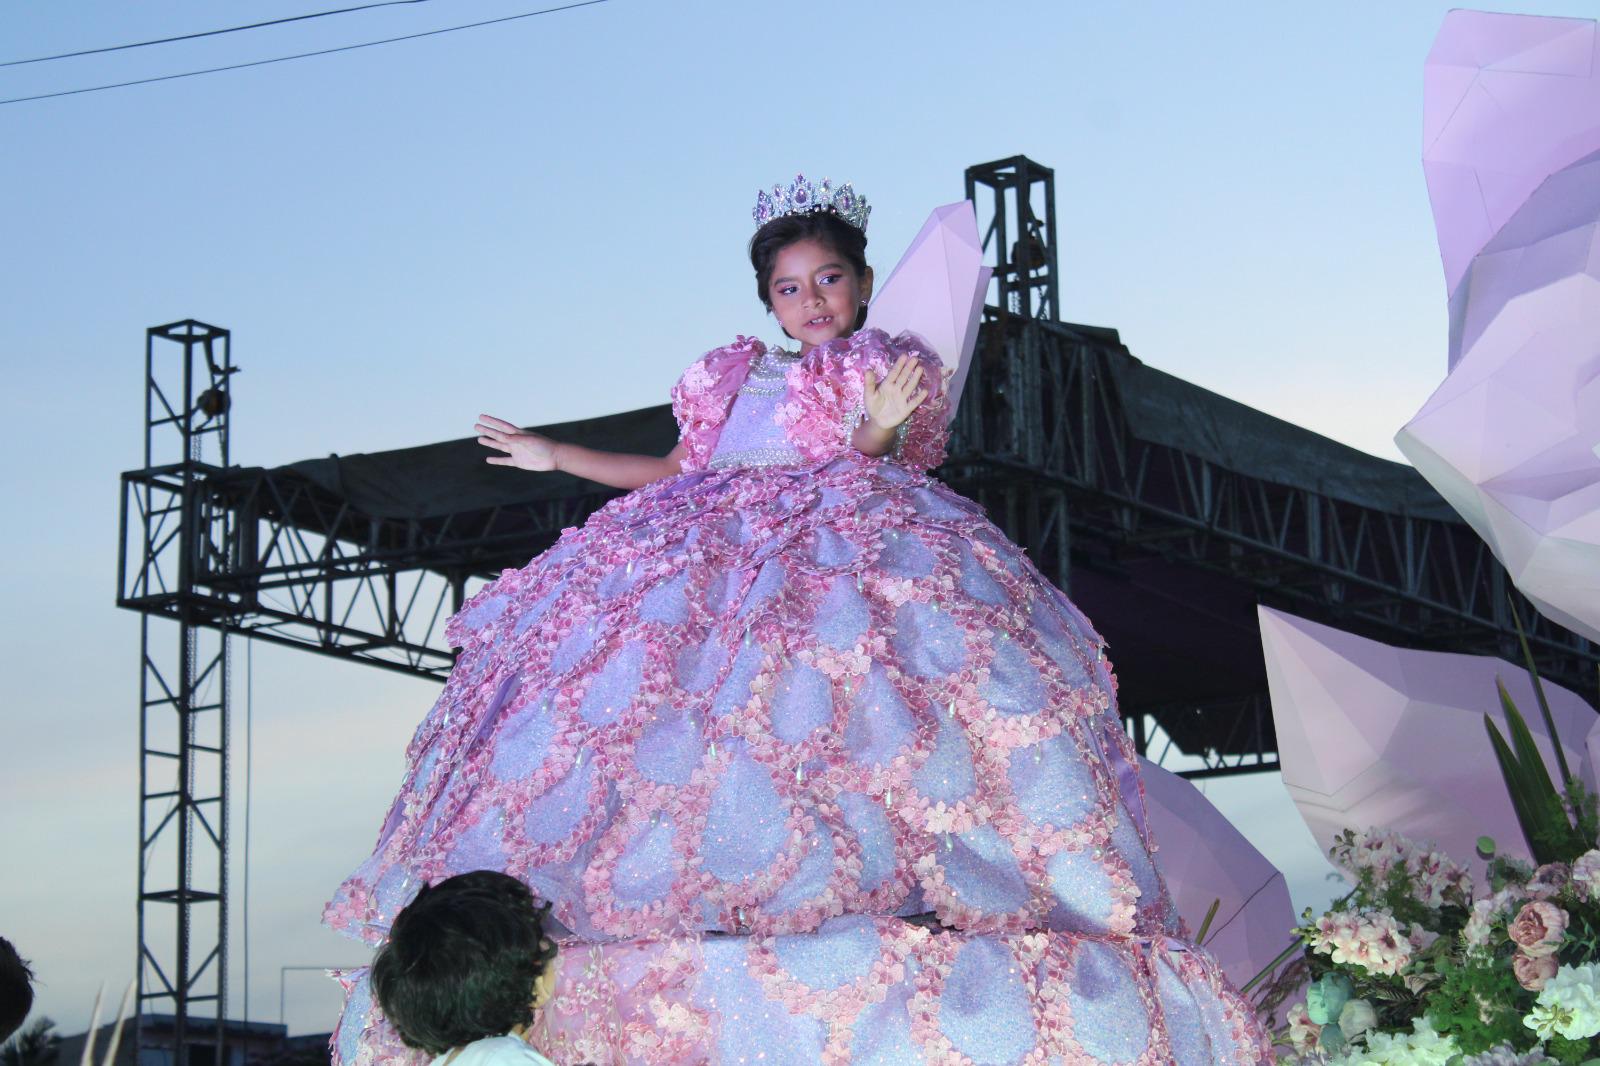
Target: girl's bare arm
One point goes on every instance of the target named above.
(533, 451)
(620, 470)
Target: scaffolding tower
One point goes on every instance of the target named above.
(171, 530)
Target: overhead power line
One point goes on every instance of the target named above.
(304, 55)
(207, 33)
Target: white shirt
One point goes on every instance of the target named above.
(493, 1051)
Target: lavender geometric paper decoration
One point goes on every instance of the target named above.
(936, 291)
(1373, 735)
(1508, 100)
(1512, 437)
(1205, 859)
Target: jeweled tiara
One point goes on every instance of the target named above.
(802, 197)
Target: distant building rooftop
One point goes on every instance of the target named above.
(248, 1044)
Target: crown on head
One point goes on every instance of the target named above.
(802, 197)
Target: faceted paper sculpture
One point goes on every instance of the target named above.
(1373, 735)
(1508, 100)
(1512, 437)
(1204, 860)
(936, 291)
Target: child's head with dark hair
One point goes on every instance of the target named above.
(811, 272)
(16, 990)
(462, 961)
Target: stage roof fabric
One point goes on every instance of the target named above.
(1162, 409)
(433, 481)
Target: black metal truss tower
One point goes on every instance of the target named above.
(171, 530)
(1017, 223)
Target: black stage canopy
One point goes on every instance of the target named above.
(436, 482)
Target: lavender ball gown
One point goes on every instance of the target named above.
(812, 763)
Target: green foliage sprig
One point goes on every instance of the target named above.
(1557, 829)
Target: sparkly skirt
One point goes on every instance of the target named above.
(741, 724)
(865, 990)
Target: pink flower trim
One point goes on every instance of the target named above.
(704, 394)
(828, 384)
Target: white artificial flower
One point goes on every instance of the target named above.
(1586, 875)
(1379, 945)
(1505, 1055)
(1356, 1018)
(1428, 872)
(1568, 1005)
(1422, 1047)
(1487, 913)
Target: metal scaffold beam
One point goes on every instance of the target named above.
(1046, 447)
(1043, 441)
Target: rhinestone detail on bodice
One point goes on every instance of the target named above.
(752, 437)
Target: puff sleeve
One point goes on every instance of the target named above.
(824, 401)
(704, 394)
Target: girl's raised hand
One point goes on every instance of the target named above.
(527, 451)
(890, 403)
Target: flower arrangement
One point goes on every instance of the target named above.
(1418, 965)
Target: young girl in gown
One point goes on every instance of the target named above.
(812, 763)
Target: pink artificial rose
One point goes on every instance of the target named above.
(1532, 972)
(1538, 928)
(1547, 880)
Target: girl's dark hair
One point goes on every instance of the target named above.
(849, 243)
(461, 961)
(16, 990)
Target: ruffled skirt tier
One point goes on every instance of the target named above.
(872, 990)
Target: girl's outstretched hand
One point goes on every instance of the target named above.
(529, 451)
(891, 402)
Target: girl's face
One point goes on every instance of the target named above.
(544, 986)
(815, 293)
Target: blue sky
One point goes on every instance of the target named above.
(546, 219)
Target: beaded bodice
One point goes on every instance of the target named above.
(752, 435)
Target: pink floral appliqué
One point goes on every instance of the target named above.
(827, 385)
(703, 395)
